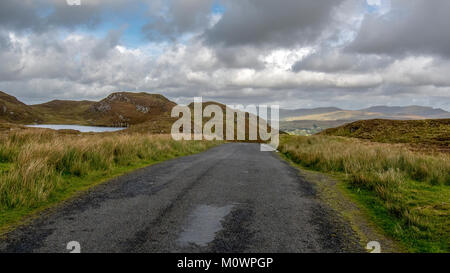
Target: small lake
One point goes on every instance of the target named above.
(83, 129)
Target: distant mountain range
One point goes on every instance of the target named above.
(375, 112)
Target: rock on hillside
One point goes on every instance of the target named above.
(125, 108)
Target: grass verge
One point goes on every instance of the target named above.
(39, 168)
(406, 193)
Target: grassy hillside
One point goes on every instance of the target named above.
(248, 118)
(164, 124)
(154, 125)
(14, 111)
(406, 193)
(427, 133)
(63, 111)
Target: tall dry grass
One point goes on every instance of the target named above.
(413, 187)
(369, 164)
(38, 162)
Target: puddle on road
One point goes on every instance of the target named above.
(204, 222)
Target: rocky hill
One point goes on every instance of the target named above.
(125, 108)
(120, 109)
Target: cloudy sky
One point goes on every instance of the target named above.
(295, 53)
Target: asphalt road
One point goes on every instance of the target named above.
(232, 198)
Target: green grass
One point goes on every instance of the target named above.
(406, 193)
(432, 237)
(40, 168)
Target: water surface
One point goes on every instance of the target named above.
(205, 221)
(83, 129)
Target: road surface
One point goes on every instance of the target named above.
(232, 198)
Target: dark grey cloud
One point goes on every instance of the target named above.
(334, 60)
(268, 22)
(242, 57)
(45, 15)
(110, 41)
(19, 14)
(172, 18)
(5, 42)
(64, 15)
(411, 27)
(42, 15)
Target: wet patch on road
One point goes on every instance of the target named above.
(236, 235)
(204, 222)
